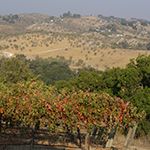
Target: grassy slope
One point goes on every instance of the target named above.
(43, 45)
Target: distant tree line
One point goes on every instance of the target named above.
(70, 15)
(10, 18)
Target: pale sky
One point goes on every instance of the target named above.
(119, 8)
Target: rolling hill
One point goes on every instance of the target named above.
(96, 41)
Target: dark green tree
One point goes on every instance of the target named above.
(13, 70)
(122, 82)
(85, 79)
(142, 64)
(141, 99)
(51, 70)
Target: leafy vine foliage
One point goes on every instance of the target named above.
(27, 103)
(31, 96)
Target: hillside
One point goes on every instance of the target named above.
(100, 42)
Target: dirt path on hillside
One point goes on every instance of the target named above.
(52, 50)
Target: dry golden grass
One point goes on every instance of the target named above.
(45, 45)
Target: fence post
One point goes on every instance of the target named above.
(32, 141)
(130, 136)
(111, 137)
(0, 123)
(79, 137)
(87, 141)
